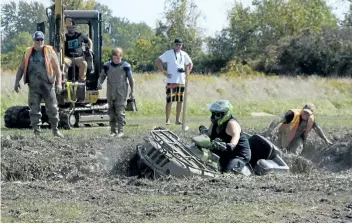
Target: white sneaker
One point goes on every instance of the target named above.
(57, 133)
(120, 135)
(112, 134)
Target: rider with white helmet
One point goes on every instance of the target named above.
(224, 126)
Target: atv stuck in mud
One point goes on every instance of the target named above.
(163, 154)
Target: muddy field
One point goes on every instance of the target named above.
(88, 180)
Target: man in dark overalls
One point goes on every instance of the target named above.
(41, 70)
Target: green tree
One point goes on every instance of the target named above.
(181, 19)
(19, 43)
(21, 17)
(251, 31)
(105, 10)
(77, 4)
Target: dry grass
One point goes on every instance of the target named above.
(274, 95)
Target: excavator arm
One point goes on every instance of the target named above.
(59, 22)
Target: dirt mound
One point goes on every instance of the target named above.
(28, 158)
(334, 158)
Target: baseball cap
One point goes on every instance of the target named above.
(308, 111)
(309, 108)
(178, 41)
(38, 35)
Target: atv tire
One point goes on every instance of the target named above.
(17, 117)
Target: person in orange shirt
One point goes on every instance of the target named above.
(295, 127)
(40, 69)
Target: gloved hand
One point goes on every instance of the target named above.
(17, 87)
(218, 145)
(202, 129)
(99, 86)
(230, 146)
(58, 89)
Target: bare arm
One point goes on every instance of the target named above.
(233, 129)
(90, 44)
(56, 67)
(159, 64)
(274, 124)
(20, 71)
(189, 68)
(320, 133)
(131, 81)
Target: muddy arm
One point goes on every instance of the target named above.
(274, 124)
(20, 71)
(321, 133)
(131, 82)
(102, 77)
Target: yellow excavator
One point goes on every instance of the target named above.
(79, 103)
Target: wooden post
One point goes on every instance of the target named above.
(184, 127)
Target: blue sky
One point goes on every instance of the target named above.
(214, 11)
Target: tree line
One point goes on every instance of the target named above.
(287, 37)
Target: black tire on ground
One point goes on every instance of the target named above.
(17, 117)
(64, 120)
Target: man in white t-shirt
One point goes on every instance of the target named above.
(179, 64)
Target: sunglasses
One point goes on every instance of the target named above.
(39, 40)
(178, 44)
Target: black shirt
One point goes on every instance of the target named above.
(74, 44)
(242, 148)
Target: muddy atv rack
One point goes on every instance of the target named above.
(166, 155)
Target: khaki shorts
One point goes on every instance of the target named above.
(79, 61)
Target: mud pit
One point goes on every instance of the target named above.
(88, 180)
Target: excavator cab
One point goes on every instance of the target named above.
(88, 21)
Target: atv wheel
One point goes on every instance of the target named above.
(17, 117)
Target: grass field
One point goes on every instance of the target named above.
(273, 95)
